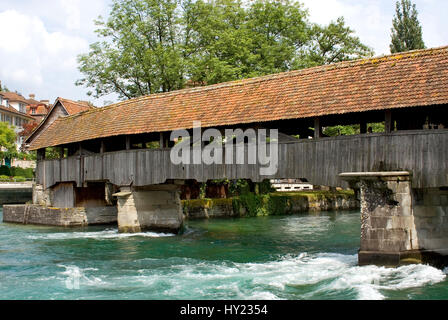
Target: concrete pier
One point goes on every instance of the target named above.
(155, 208)
(399, 224)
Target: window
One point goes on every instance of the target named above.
(22, 108)
(33, 111)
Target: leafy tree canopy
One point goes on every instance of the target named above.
(150, 46)
(3, 88)
(7, 141)
(406, 31)
(7, 137)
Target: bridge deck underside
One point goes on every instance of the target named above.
(424, 153)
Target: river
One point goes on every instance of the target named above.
(292, 257)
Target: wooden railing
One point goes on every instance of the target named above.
(424, 153)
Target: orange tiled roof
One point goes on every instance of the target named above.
(12, 96)
(416, 78)
(40, 109)
(74, 107)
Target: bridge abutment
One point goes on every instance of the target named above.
(155, 208)
(400, 225)
(65, 205)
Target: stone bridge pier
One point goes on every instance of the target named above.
(399, 224)
(155, 208)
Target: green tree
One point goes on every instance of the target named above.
(232, 42)
(3, 88)
(150, 46)
(406, 31)
(8, 147)
(7, 137)
(334, 43)
(140, 52)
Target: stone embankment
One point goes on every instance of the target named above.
(248, 205)
(70, 217)
(271, 204)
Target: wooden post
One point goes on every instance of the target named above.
(102, 147)
(388, 121)
(162, 141)
(363, 127)
(317, 128)
(128, 143)
(61, 153)
(40, 154)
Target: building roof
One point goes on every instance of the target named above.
(415, 78)
(71, 108)
(75, 107)
(33, 101)
(12, 96)
(41, 109)
(15, 112)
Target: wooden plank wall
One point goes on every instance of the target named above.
(64, 196)
(424, 153)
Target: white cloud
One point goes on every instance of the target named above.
(372, 19)
(369, 19)
(30, 52)
(73, 13)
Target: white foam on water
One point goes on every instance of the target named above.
(99, 235)
(306, 276)
(75, 277)
(369, 282)
(331, 274)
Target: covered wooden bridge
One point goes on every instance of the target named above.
(126, 146)
(128, 142)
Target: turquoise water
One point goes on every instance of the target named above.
(294, 257)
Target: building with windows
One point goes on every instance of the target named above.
(13, 111)
(37, 109)
(14, 100)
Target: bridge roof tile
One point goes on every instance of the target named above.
(415, 78)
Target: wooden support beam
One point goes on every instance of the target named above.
(102, 147)
(162, 140)
(317, 128)
(61, 153)
(128, 143)
(40, 154)
(363, 127)
(388, 121)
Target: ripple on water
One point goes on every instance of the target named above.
(106, 234)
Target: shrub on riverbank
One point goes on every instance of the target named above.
(17, 172)
(12, 179)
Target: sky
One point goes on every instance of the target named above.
(41, 39)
